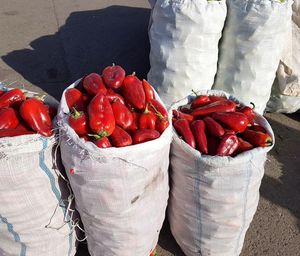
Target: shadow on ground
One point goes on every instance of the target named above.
(87, 42)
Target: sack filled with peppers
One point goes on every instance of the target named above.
(217, 162)
(33, 198)
(115, 142)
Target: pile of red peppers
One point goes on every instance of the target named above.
(113, 109)
(21, 116)
(215, 125)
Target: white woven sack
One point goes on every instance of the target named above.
(251, 47)
(33, 218)
(213, 199)
(120, 193)
(184, 38)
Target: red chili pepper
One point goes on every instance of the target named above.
(100, 142)
(87, 137)
(258, 139)
(11, 98)
(133, 92)
(93, 84)
(135, 124)
(179, 115)
(13, 132)
(198, 130)
(147, 120)
(112, 96)
(248, 111)
(144, 135)
(212, 144)
(122, 114)
(228, 145)
(120, 138)
(36, 116)
(182, 127)
(161, 124)
(213, 127)
(78, 121)
(214, 98)
(101, 116)
(149, 92)
(113, 76)
(75, 98)
(234, 120)
(2, 92)
(218, 106)
(199, 101)
(258, 128)
(185, 109)
(22, 127)
(8, 118)
(156, 107)
(243, 145)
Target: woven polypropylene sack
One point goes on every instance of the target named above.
(213, 199)
(33, 199)
(184, 38)
(251, 47)
(120, 193)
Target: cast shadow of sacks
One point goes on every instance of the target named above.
(87, 42)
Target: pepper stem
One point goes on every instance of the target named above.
(157, 112)
(76, 114)
(194, 92)
(253, 105)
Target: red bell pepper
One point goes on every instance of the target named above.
(101, 142)
(244, 145)
(12, 98)
(13, 132)
(144, 135)
(179, 115)
(147, 120)
(156, 107)
(228, 145)
(101, 116)
(258, 139)
(36, 116)
(75, 98)
(248, 111)
(212, 145)
(93, 84)
(182, 127)
(133, 92)
(199, 101)
(120, 138)
(149, 92)
(218, 106)
(122, 114)
(234, 120)
(213, 127)
(198, 130)
(113, 96)
(78, 121)
(113, 76)
(8, 118)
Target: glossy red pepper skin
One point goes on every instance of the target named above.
(161, 124)
(213, 127)
(135, 124)
(248, 111)
(122, 114)
(149, 92)
(180, 115)
(258, 128)
(144, 135)
(200, 101)
(244, 146)
(113, 76)
(36, 116)
(93, 84)
(198, 130)
(156, 107)
(147, 120)
(86, 137)
(218, 106)
(120, 138)
(182, 127)
(22, 127)
(236, 121)
(101, 142)
(133, 92)
(113, 96)
(214, 98)
(258, 139)
(2, 92)
(8, 118)
(74, 98)
(101, 116)
(79, 122)
(13, 132)
(11, 98)
(212, 145)
(228, 145)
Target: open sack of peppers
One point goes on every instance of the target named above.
(115, 139)
(217, 162)
(33, 198)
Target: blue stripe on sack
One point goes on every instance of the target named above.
(55, 190)
(16, 236)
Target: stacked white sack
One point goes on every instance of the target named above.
(213, 199)
(120, 193)
(251, 47)
(184, 37)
